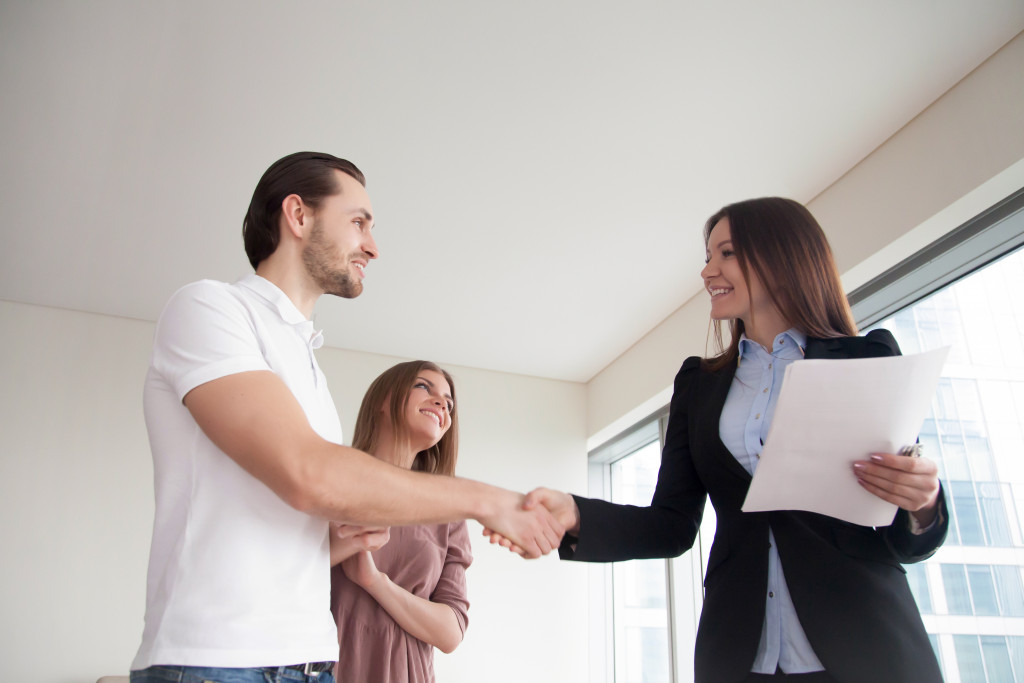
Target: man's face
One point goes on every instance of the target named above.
(340, 243)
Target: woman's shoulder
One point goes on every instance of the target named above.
(876, 343)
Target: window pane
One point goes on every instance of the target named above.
(1016, 647)
(958, 596)
(994, 514)
(639, 587)
(997, 659)
(967, 514)
(983, 590)
(917, 576)
(1010, 591)
(968, 659)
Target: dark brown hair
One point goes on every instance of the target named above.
(781, 242)
(307, 174)
(394, 386)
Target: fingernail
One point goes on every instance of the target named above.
(876, 457)
(858, 465)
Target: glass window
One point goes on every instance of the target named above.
(1010, 591)
(639, 587)
(997, 658)
(958, 595)
(967, 516)
(917, 575)
(968, 659)
(983, 590)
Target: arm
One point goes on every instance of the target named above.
(439, 621)
(254, 418)
(600, 531)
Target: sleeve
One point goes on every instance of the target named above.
(205, 332)
(905, 545)
(451, 585)
(669, 525)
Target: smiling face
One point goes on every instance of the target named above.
(731, 298)
(428, 409)
(340, 243)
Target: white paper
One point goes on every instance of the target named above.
(831, 413)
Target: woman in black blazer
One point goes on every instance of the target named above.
(789, 595)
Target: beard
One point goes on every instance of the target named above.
(320, 258)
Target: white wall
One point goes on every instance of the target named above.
(955, 159)
(77, 504)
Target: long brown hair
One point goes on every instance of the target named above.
(394, 386)
(781, 242)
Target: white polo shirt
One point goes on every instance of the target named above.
(237, 577)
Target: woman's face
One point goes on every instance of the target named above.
(723, 280)
(428, 411)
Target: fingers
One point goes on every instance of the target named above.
(910, 483)
(350, 530)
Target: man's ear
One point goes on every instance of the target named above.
(296, 215)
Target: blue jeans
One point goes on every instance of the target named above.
(205, 674)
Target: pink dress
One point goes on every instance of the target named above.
(429, 561)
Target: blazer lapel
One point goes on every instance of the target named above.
(717, 390)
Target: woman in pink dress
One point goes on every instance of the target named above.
(398, 593)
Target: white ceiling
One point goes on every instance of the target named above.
(540, 171)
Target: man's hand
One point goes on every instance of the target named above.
(562, 507)
(910, 483)
(530, 532)
(348, 540)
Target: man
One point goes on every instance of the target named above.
(248, 464)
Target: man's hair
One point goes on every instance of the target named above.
(782, 243)
(307, 174)
(391, 391)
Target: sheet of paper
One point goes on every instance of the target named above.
(831, 413)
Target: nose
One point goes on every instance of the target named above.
(370, 246)
(707, 271)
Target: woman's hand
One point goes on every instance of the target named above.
(349, 539)
(910, 483)
(361, 570)
(562, 507)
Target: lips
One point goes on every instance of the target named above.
(431, 413)
(716, 292)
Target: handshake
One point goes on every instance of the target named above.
(536, 524)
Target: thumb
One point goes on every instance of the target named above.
(533, 499)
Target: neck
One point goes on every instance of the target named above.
(766, 329)
(389, 450)
(293, 281)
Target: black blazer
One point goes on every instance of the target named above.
(847, 583)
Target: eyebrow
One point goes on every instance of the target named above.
(719, 245)
(365, 214)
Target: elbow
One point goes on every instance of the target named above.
(303, 487)
(451, 641)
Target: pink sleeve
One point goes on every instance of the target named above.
(451, 585)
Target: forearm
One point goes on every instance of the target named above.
(434, 623)
(346, 485)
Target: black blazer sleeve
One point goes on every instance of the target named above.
(667, 528)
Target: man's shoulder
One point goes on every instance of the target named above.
(204, 294)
